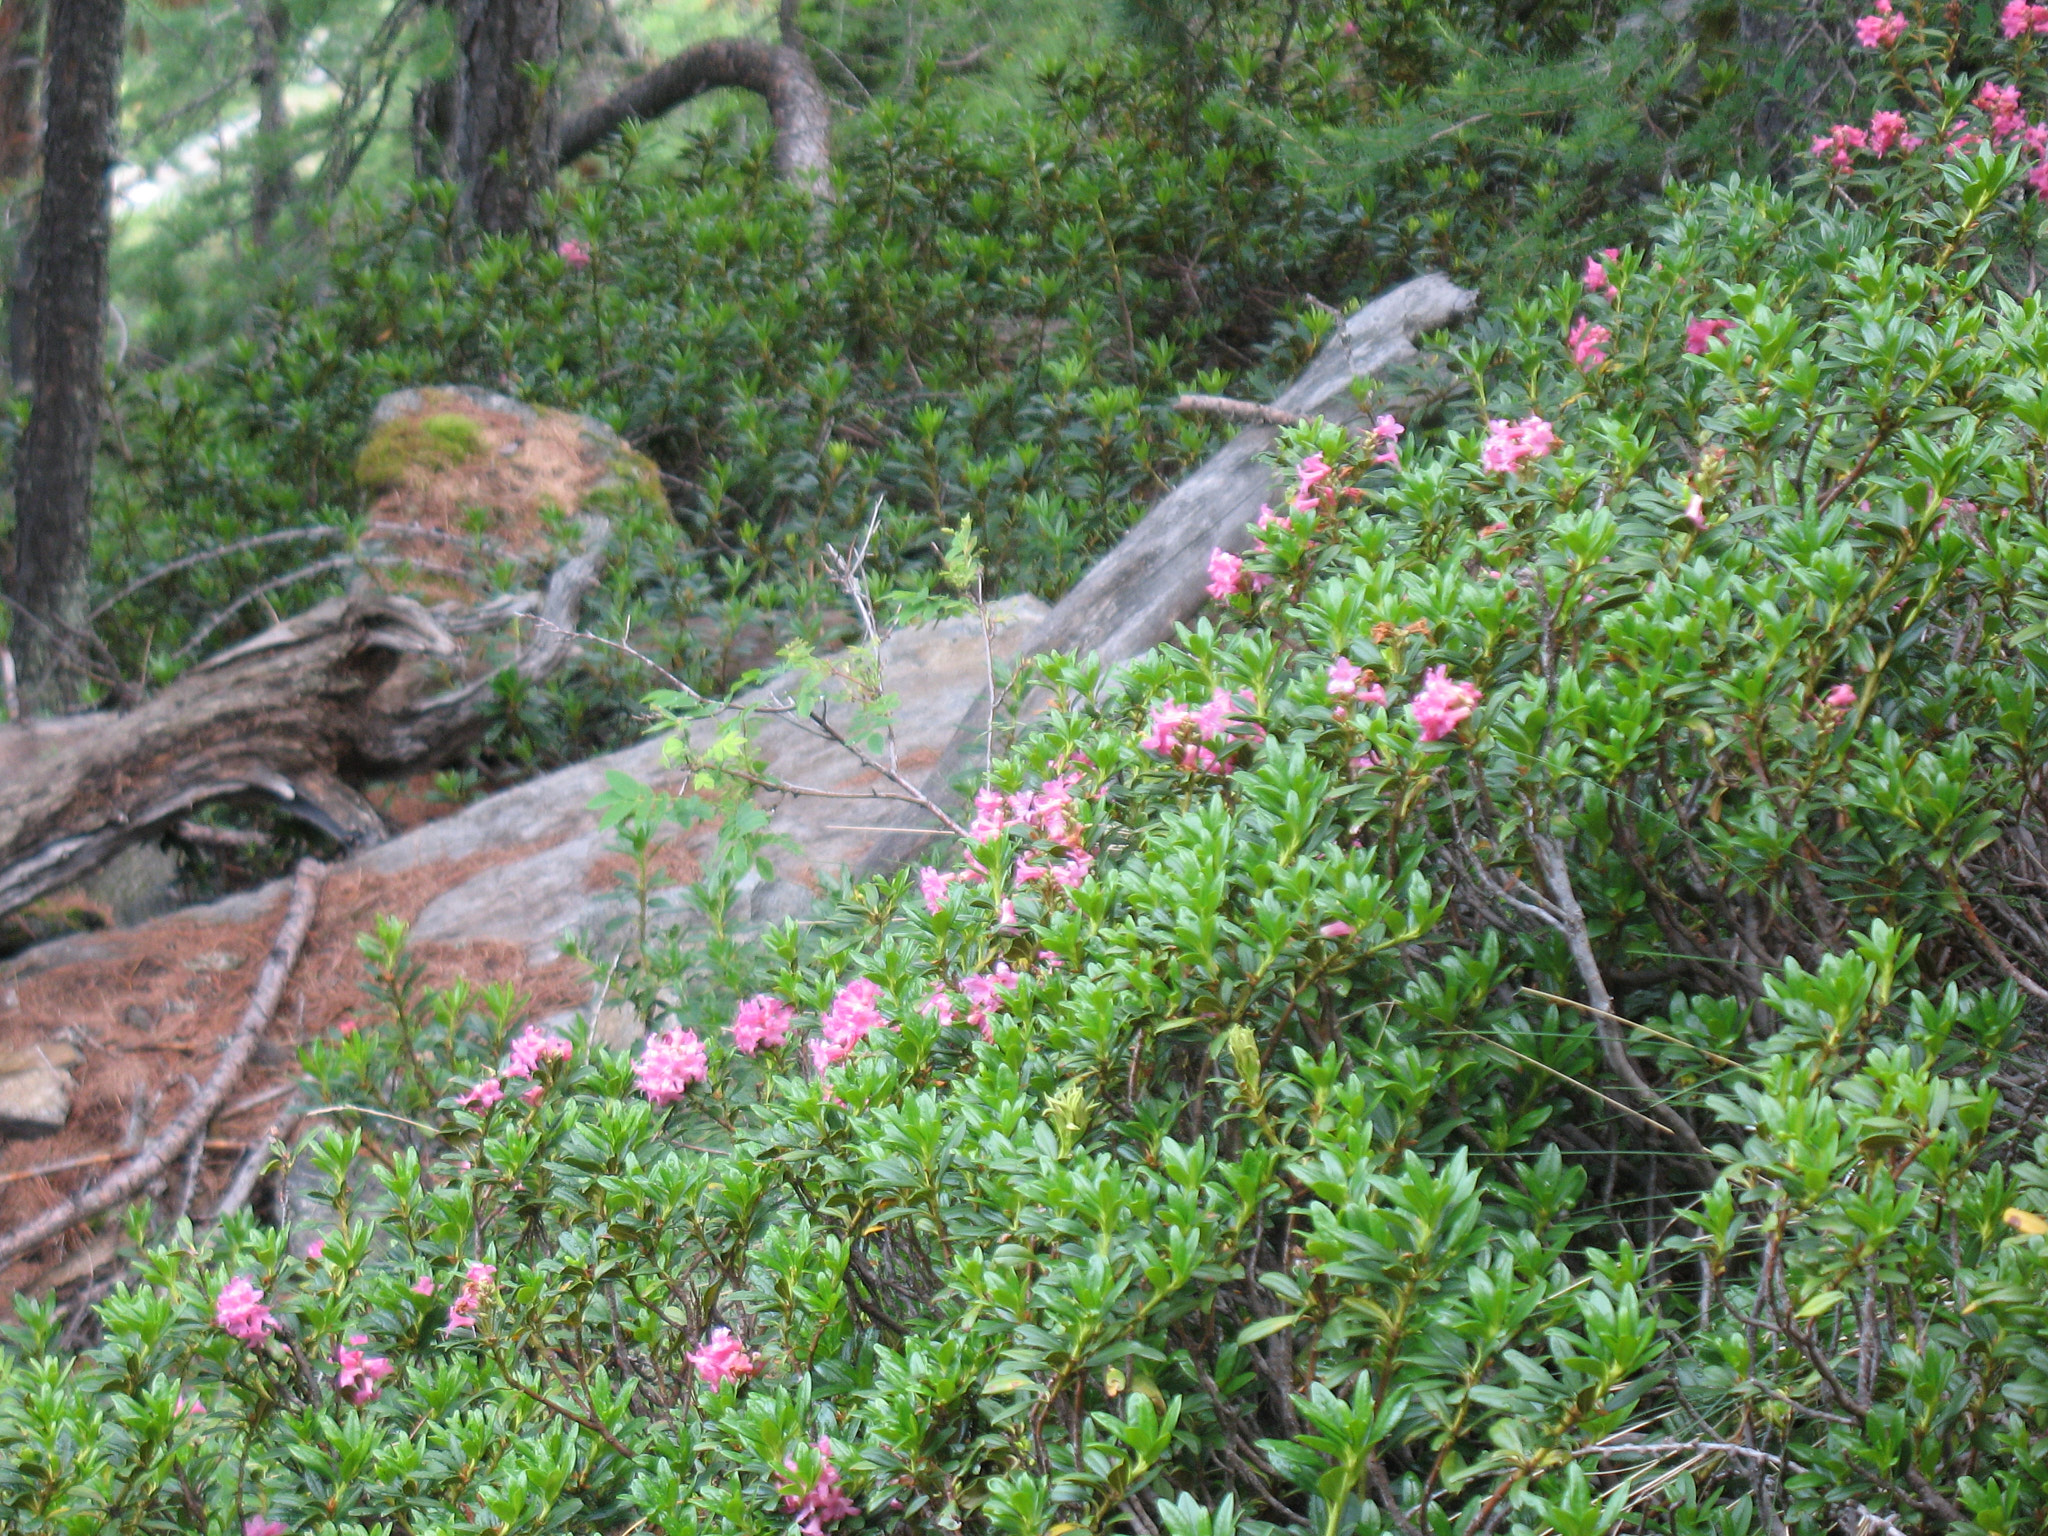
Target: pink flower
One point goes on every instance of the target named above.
(1344, 676)
(348, 1025)
(314, 1249)
(1886, 129)
(533, 1047)
(822, 1503)
(1308, 474)
(1585, 342)
(1336, 930)
(259, 1525)
(189, 1407)
(1841, 696)
(852, 1017)
(2018, 17)
(672, 1061)
(2037, 178)
(240, 1311)
(1389, 432)
(1695, 511)
(1511, 444)
(534, 1094)
(720, 1358)
(1226, 575)
(463, 1310)
(360, 1373)
(985, 996)
(574, 252)
(1442, 704)
(1702, 334)
(483, 1095)
(1834, 145)
(761, 1020)
(990, 815)
(1053, 959)
(1881, 29)
(1595, 275)
(932, 884)
(423, 1286)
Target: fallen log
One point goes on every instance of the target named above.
(1156, 576)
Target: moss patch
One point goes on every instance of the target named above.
(416, 442)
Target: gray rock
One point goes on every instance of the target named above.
(136, 884)
(35, 1089)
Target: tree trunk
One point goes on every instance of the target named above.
(21, 47)
(53, 484)
(505, 109)
(271, 189)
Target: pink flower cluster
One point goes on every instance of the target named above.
(534, 1046)
(577, 254)
(1389, 432)
(1595, 278)
(822, 1503)
(852, 1017)
(1343, 683)
(486, 1093)
(470, 1300)
(1183, 733)
(672, 1061)
(1887, 132)
(1585, 343)
(1840, 697)
(985, 996)
(1511, 444)
(1226, 575)
(1442, 704)
(721, 1358)
(263, 1525)
(360, 1373)
(2019, 17)
(759, 1021)
(239, 1310)
(1702, 334)
(2001, 104)
(1883, 27)
(1043, 810)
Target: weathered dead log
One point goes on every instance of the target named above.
(291, 714)
(1156, 576)
(780, 75)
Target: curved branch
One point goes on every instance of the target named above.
(781, 76)
(155, 1154)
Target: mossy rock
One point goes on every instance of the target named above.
(441, 441)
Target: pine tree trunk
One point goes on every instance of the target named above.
(271, 189)
(505, 118)
(53, 482)
(21, 48)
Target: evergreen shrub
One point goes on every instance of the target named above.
(1513, 1025)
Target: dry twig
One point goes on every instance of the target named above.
(154, 1154)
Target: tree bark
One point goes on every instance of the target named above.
(505, 109)
(291, 713)
(21, 47)
(782, 76)
(271, 187)
(53, 484)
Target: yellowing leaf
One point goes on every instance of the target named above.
(1826, 1301)
(2026, 1223)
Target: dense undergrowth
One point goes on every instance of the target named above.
(1523, 1021)
(988, 323)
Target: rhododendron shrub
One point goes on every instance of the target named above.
(1522, 1020)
